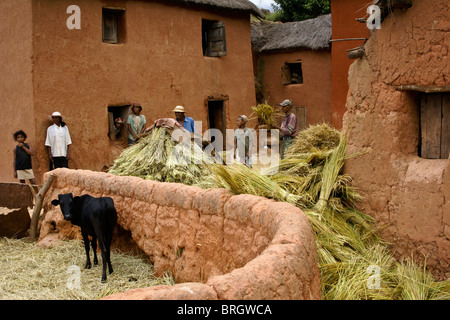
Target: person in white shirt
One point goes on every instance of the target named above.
(58, 142)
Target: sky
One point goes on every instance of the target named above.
(265, 4)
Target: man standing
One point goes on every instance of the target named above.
(57, 142)
(243, 141)
(288, 129)
(186, 122)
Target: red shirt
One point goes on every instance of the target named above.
(289, 126)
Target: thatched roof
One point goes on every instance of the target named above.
(235, 5)
(311, 34)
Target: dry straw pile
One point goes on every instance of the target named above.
(158, 157)
(30, 272)
(354, 261)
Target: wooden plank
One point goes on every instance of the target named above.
(431, 124)
(445, 137)
(285, 74)
(300, 113)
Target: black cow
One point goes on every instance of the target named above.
(97, 218)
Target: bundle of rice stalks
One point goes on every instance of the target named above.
(312, 167)
(320, 137)
(365, 276)
(348, 245)
(416, 283)
(241, 179)
(331, 169)
(266, 114)
(158, 157)
(31, 272)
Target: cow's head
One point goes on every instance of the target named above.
(65, 201)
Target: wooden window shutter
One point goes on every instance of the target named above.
(435, 126)
(285, 74)
(445, 138)
(300, 113)
(217, 46)
(110, 27)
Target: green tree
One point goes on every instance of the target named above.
(298, 10)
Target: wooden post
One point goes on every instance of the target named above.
(38, 206)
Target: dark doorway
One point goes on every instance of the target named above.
(217, 120)
(117, 120)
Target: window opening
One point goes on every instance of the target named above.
(113, 25)
(117, 121)
(292, 73)
(213, 38)
(434, 126)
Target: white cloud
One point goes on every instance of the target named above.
(265, 4)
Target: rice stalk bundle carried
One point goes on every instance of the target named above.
(158, 157)
(266, 114)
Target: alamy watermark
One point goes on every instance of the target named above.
(74, 279)
(374, 280)
(374, 20)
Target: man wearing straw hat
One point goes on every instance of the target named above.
(288, 128)
(57, 142)
(186, 122)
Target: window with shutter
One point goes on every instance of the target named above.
(113, 25)
(291, 73)
(213, 38)
(435, 126)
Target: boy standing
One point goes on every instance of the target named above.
(22, 159)
(135, 123)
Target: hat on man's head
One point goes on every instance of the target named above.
(244, 118)
(285, 103)
(56, 114)
(179, 109)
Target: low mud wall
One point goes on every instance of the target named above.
(215, 244)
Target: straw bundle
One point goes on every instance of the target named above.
(347, 242)
(30, 272)
(266, 114)
(237, 177)
(158, 157)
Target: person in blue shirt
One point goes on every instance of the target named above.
(185, 122)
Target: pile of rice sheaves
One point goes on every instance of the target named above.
(158, 157)
(354, 261)
(30, 272)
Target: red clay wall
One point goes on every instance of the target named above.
(236, 247)
(343, 16)
(16, 90)
(161, 65)
(406, 193)
(315, 91)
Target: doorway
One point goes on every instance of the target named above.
(217, 120)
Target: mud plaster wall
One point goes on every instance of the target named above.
(16, 90)
(160, 65)
(238, 247)
(315, 91)
(407, 194)
(343, 15)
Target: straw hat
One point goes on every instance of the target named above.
(179, 109)
(244, 118)
(285, 103)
